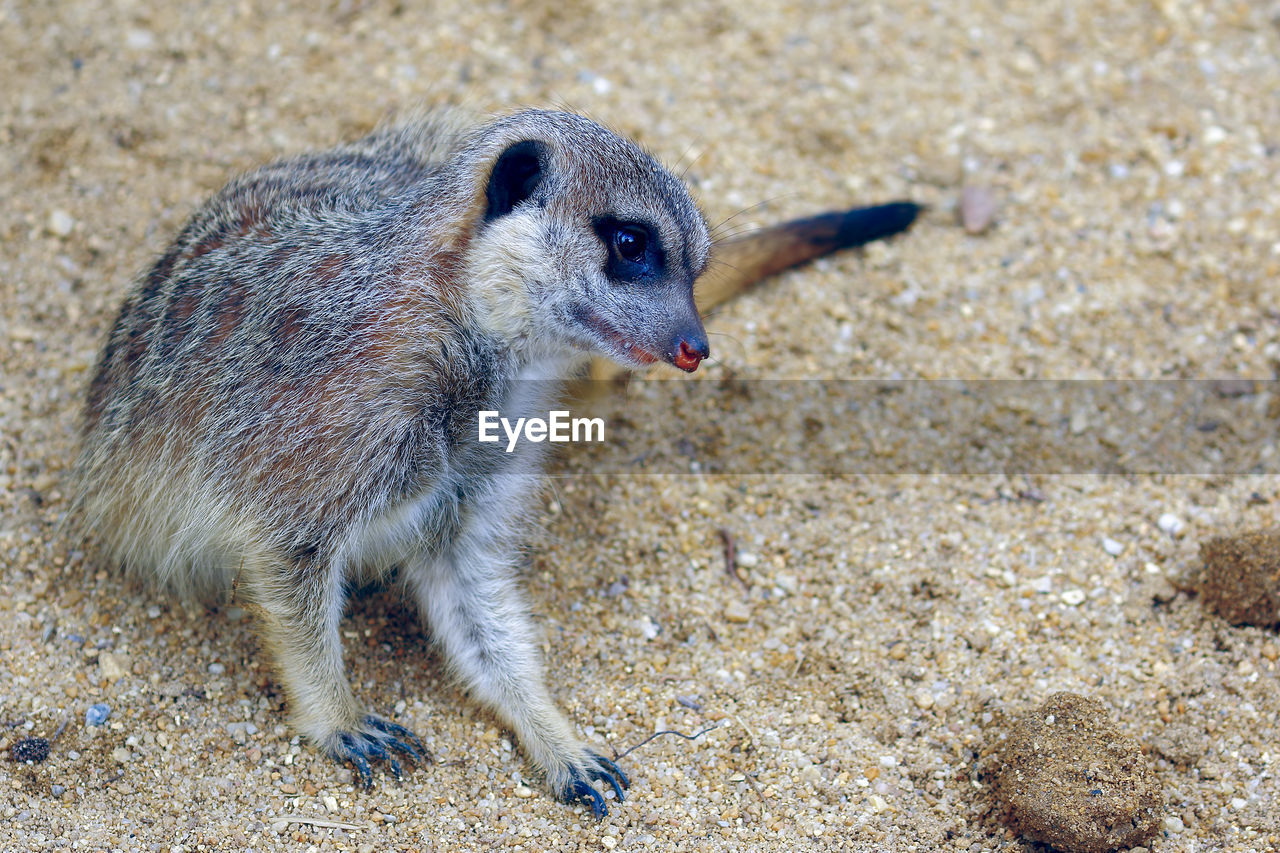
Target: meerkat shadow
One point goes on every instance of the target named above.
(380, 606)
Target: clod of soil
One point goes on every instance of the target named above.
(1241, 578)
(1064, 774)
(1181, 744)
(33, 749)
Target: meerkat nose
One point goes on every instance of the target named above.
(690, 351)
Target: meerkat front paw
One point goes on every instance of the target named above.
(575, 785)
(376, 739)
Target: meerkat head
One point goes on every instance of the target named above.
(581, 239)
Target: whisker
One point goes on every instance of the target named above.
(727, 337)
(685, 171)
(733, 235)
(722, 264)
(751, 209)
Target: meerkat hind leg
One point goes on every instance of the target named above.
(299, 606)
(470, 600)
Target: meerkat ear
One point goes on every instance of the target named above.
(515, 176)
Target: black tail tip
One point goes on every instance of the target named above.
(866, 224)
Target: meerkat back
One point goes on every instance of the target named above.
(193, 364)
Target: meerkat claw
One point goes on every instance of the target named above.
(580, 789)
(399, 738)
(378, 741)
(348, 752)
(607, 771)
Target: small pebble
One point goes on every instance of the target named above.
(524, 792)
(1170, 523)
(240, 731)
(121, 755)
(113, 665)
(57, 790)
(737, 611)
(747, 560)
(97, 714)
(140, 39)
(1234, 387)
(978, 208)
(1112, 547)
(1073, 597)
(690, 702)
(217, 668)
(978, 640)
(61, 223)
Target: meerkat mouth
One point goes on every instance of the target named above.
(682, 354)
(616, 343)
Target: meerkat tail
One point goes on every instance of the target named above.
(739, 263)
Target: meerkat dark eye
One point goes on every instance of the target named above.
(630, 242)
(634, 252)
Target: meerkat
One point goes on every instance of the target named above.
(287, 401)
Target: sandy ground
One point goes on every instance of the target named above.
(884, 619)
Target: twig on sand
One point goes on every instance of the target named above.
(731, 557)
(627, 752)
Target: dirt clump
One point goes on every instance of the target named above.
(1064, 774)
(1241, 577)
